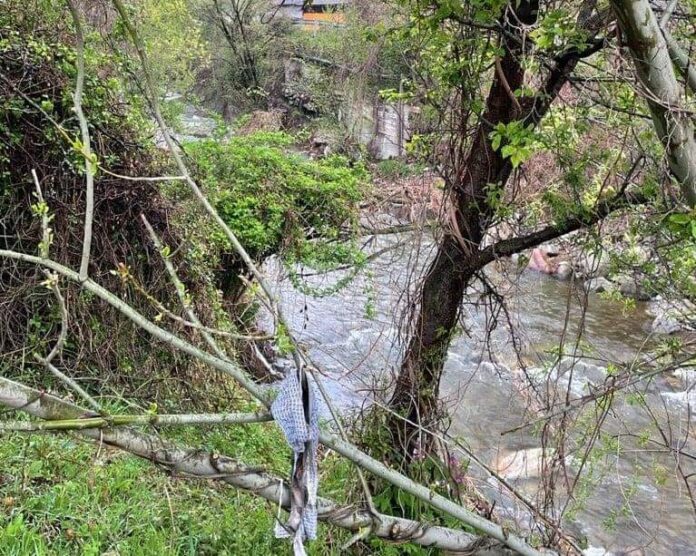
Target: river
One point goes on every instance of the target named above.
(635, 498)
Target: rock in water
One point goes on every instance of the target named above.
(599, 285)
(564, 271)
(524, 464)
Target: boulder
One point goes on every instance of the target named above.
(592, 264)
(523, 464)
(665, 324)
(631, 287)
(599, 285)
(541, 262)
(672, 316)
(564, 271)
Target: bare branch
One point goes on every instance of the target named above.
(180, 289)
(142, 178)
(85, 147)
(52, 283)
(83, 423)
(507, 247)
(71, 383)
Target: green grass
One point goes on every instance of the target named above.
(62, 495)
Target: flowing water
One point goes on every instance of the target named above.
(636, 498)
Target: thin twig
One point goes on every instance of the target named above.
(125, 275)
(70, 382)
(334, 415)
(141, 178)
(58, 346)
(45, 244)
(52, 283)
(180, 289)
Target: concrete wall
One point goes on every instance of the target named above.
(383, 127)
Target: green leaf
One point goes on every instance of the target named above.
(680, 218)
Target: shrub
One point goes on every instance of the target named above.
(275, 200)
(39, 77)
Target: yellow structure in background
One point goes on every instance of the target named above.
(313, 21)
(312, 16)
(332, 16)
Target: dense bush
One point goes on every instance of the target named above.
(38, 131)
(278, 201)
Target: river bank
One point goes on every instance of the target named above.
(354, 337)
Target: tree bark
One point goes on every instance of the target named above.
(655, 72)
(458, 257)
(417, 387)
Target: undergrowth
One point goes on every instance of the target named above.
(275, 200)
(37, 124)
(60, 495)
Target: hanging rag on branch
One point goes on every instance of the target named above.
(295, 410)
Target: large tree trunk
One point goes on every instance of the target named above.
(416, 393)
(655, 72)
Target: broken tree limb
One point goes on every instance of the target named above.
(111, 421)
(196, 463)
(346, 449)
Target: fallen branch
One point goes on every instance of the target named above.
(83, 423)
(196, 463)
(346, 449)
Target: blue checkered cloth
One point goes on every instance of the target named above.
(288, 412)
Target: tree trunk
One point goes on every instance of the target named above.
(655, 72)
(457, 260)
(417, 387)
